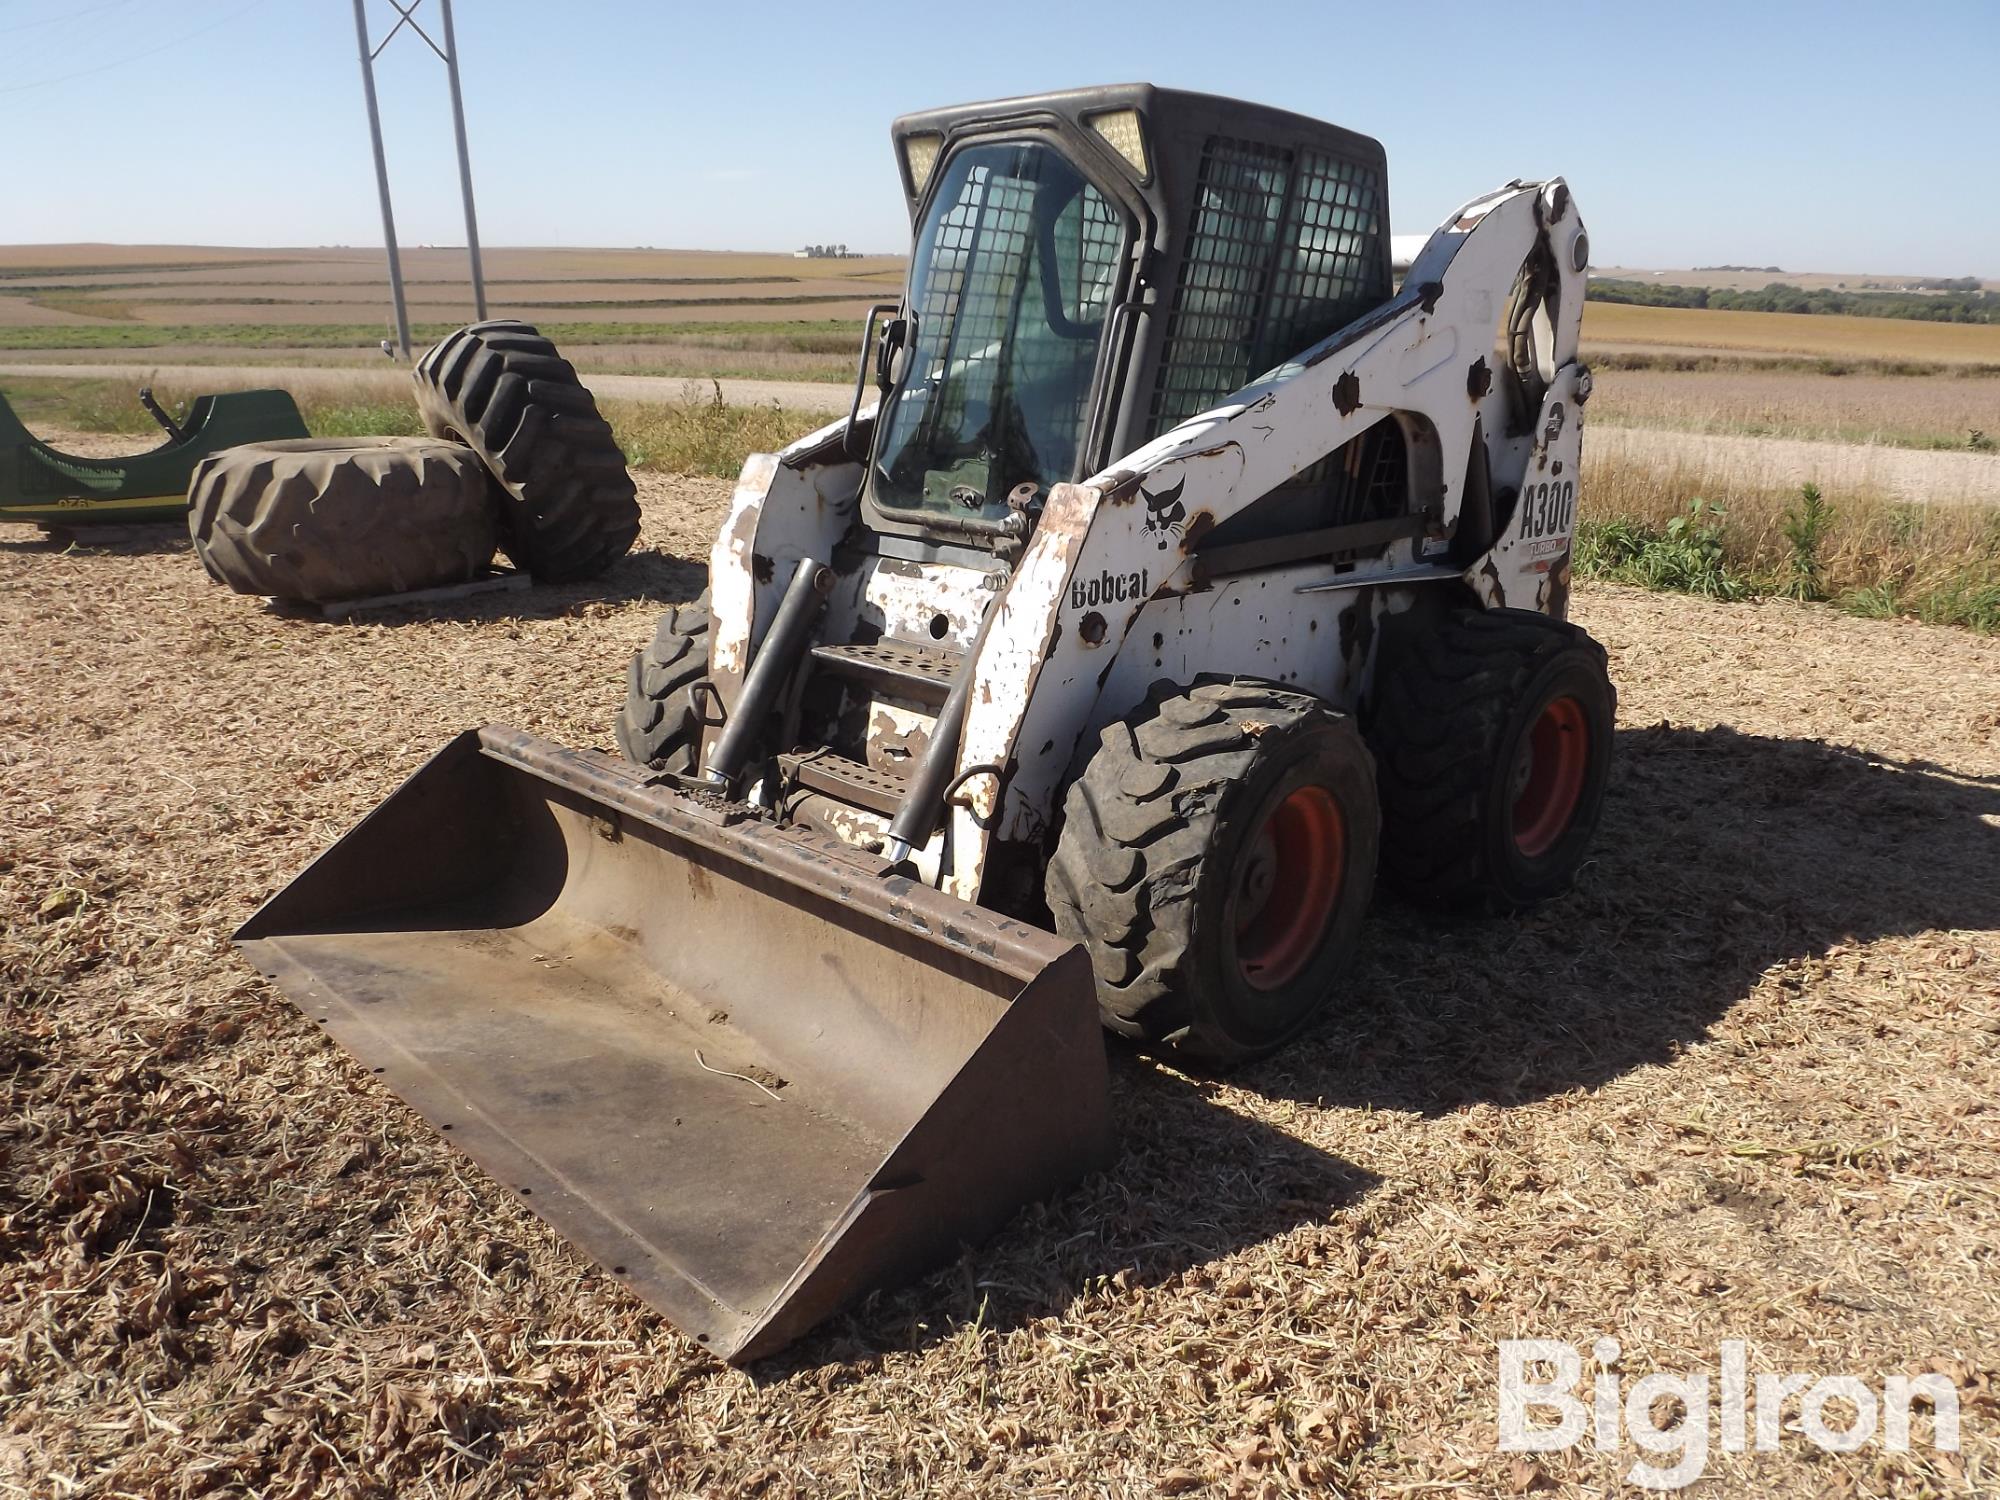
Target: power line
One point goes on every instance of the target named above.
(182, 40)
(88, 10)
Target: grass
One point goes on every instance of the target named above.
(699, 434)
(1658, 529)
(702, 433)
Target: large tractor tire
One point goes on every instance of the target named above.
(660, 725)
(325, 520)
(1216, 860)
(570, 509)
(1492, 739)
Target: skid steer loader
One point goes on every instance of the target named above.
(1183, 571)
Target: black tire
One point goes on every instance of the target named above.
(570, 509)
(660, 725)
(325, 520)
(1161, 837)
(1454, 723)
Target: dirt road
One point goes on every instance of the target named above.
(1917, 475)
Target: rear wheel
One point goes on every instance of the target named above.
(570, 509)
(660, 725)
(1216, 859)
(1492, 731)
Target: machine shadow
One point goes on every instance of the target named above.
(1193, 1182)
(1721, 856)
(136, 540)
(657, 577)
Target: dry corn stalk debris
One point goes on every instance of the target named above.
(1739, 1084)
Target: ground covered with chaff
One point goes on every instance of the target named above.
(1739, 1084)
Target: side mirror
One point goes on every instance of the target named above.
(892, 354)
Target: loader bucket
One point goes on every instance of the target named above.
(729, 1060)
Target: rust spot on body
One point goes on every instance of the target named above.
(1347, 394)
(1478, 379)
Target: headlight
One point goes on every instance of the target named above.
(1120, 129)
(920, 154)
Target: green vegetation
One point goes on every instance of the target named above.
(1939, 564)
(1685, 556)
(823, 336)
(1958, 306)
(700, 434)
(1806, 526)
(703, 434)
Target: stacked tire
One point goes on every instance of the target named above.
(518, 458)
(569, 509)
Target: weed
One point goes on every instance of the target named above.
(1971, 599)
(1806, 526)
(703, 434)
(1878, 601)
(1685, 556)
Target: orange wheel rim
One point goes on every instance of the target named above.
(1288, 887)
(1549, 774)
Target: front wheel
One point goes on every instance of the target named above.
(1216, 860)
(660, 724)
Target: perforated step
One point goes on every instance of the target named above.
(922, 673)
(849, 780)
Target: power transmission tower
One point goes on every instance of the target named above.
(448, 54)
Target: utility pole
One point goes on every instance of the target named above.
(464, 162)
(448, 54)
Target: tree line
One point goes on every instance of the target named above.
(1969, 306)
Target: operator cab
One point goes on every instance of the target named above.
(1089, 269)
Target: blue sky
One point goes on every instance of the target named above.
(1817, 137)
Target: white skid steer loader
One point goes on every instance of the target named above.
(1184, 572)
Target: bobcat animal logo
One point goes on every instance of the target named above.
(1165, 515)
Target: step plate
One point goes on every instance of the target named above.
(848, 780)
(923, 673)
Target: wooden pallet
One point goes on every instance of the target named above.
(493, 581)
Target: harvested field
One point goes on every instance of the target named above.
(1622, 326)
(1740, 1084)
(141, 287)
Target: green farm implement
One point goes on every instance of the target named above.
(39, 484)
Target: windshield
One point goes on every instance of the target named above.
(1016, 265)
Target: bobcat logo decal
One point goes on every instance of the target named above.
(1165, 515)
